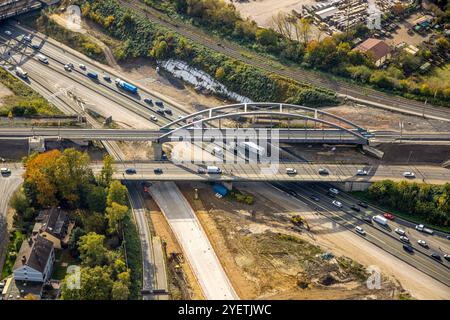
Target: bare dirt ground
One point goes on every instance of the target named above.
(401, 35)
(379, 119)
(4, 92)
(262, 10)
(182, 281)
(265, 258)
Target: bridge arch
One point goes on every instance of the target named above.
(165, 136)
(211, 112)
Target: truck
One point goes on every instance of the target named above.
(213, 169)
(421, 228)
(92, 75)
(42, 58)
(220, 189)
(126, 86)
(380, 220)
(21, 73)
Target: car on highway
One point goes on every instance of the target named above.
(160, 111)
(130, 171)
(153, 118)
(70, 64)
(389, 216)
(367, 219)
(409, 174)
(363, 204)
(361, 172)
(168, 111)
(360, 230)
(82, 66)
(106, 77)
(324, 171)
(35, 46)
(448, 237)
(423, 243)
(8, 33)
(5, 171)
(355, 208)
(333, 192)
(400, 231)
(157, 171)
(42, 58)
(436, 256)
(408, 248)
(337, 203)
(404, 239)
(291, 171)
(67, 67)
(159, 104)
(447, 257)
(201, 170)
(148, 101)
(315, 198)
(27, 38)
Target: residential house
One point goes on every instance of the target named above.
(377, 49)
(54, 225)
(35, 260)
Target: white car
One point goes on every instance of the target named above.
(291, 171)
(361, 172)
(8, 33)
(408, 174)
(27, 38)
(67, 67)
(423, 243)
(333, 191)
(153, 118)
(360, 230)
(400, 231)
(404, 239)
(5, 170)
(337, 203)
(82, 66)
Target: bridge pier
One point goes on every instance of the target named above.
(36, 144)
(157, 150)
(350, 186)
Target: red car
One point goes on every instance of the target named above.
(389, 216)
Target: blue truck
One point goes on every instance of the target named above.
(220, 189)
(92, 75)
(126, 86)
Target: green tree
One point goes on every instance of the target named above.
(95, 284)
(107, 171)
(267, 37)
(96, 199)
(117, 193)
(120, 291)
(115, 215)
(75, 236)
(92, 249)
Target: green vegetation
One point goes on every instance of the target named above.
(75, 40)
(238, 196)
(99, 207)
(25, 101)
(421, 203)
(16, 238)
(141, 38)
(291, 42)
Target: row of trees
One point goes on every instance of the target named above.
(99, 207)
(291, 39)
(430, 203)
(142, 38)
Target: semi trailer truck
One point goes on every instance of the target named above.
(126, 86)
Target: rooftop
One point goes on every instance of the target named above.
(34, 253)
(376, 47)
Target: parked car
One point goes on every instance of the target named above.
(409, 174)
(157, 171)
(291, 171)
(363, 204)
(408, 248)
(324, 171)
(423, 243)
(404, 239)
(130, 171)
(400, 231)
(355, 208)
(361, 172)
(337, 203)
(389, 216)
(360, 230)
(436, 256)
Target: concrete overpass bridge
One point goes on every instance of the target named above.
(12, 8)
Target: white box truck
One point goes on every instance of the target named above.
(213, 169)
(380, 220)
(21, 73)
(421, 227)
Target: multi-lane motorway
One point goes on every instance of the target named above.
(383, 237)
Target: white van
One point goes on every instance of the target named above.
(217, 151)
(5, 171)
(333, 191)
(213, 169)
(42, 58)
(21, 73)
